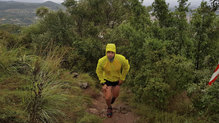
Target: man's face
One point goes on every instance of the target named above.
(110, 54)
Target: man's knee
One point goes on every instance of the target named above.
(116, 91)
(108, 93)
(116, 95)
(108, 97)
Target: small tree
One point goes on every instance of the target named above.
(202, 25)
(42, 12)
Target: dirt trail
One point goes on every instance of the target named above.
(121, 111)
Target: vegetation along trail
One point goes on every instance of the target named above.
(49, 54)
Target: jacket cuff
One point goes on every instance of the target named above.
(103, 81)
(122, 78)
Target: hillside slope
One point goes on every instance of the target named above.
(22, 13)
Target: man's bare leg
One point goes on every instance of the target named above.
(115, 92)
(108, 97)
(107, 90)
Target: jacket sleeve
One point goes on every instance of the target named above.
(99, 71)
(125, 69)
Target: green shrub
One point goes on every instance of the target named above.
(210, 100)
(156, 93)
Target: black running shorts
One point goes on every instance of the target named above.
(109, 83)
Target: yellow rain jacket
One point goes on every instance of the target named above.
(112, 71)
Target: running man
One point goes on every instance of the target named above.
(111, 71)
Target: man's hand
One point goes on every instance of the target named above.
(120, 82)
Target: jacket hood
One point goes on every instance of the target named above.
(111, 47)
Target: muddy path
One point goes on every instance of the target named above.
(121, 111)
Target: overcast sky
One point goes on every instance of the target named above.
(146, 2)
(174, 2)
(57, 1)
(149, 2)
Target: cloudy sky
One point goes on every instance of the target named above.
(174, 2)
(149, 2)
(146, 2)
(57, 1)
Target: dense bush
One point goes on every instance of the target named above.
(170, 56)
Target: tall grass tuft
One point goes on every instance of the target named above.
(44, 102)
